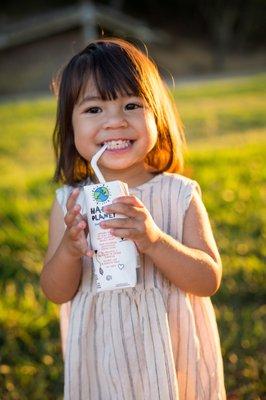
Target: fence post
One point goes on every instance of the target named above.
(88, 21)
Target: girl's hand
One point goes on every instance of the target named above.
(76, 228)
(139, 226)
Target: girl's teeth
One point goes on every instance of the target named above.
(117, 144)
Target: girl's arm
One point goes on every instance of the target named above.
(194, 265)
(62, 268)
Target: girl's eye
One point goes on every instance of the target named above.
(93, 110)
(133, 106)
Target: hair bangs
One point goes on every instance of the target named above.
(112, 79)
(115, 83)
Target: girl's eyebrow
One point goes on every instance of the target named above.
(89, 98)
(93, 98)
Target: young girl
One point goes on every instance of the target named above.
(158, 340)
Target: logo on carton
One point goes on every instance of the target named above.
(101, 194)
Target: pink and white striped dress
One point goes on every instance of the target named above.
(153, 341)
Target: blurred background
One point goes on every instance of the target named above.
(212, 55)
(186, 38)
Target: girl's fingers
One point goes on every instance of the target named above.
(125, 233)
(72, 215)
(90, 253)
(124, 209)
(84, 218)
(119, 223)
(132, 200)
(76, 229)
(71, 201)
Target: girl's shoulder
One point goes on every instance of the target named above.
(165, 180)
(62, 193)
(183, 182)
(180, 188)
(171, 183)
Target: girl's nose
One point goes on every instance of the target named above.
(115, 123)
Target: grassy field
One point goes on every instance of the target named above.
(225, 125)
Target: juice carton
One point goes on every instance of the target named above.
(115, 259)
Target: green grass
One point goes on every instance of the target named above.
(225, 125)
(234, 192)
(222, 108)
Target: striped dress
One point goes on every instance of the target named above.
(153, 341)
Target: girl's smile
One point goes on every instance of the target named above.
(125, 124)
(118, 146)
(117, 143)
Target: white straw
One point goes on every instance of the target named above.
(94, 165)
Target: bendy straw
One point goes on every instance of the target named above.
(94, 165)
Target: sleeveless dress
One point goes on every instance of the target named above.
(153, 341)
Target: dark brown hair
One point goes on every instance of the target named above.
(117, 68)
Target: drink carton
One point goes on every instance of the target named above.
(115, 259)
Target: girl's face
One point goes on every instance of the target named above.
(126, 124)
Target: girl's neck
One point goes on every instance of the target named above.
(134, 177)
